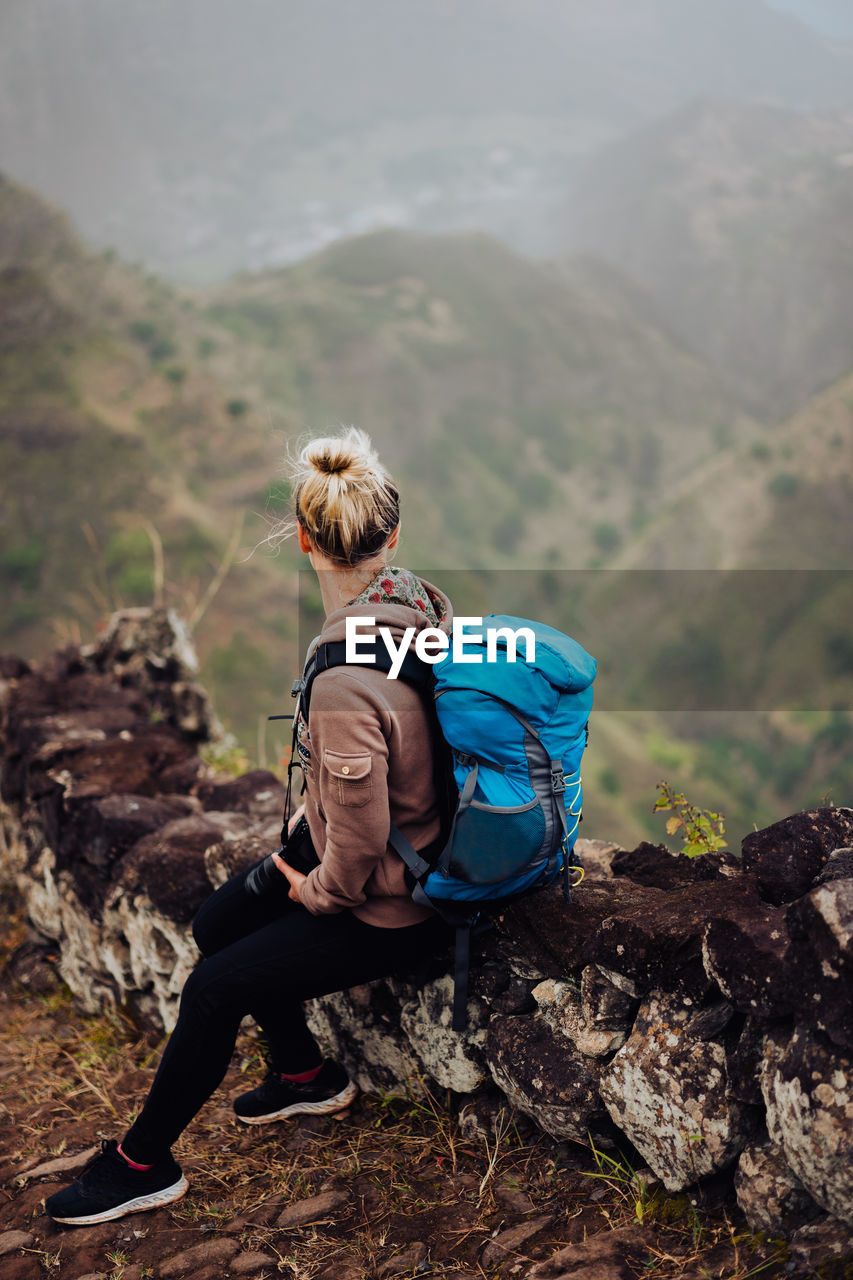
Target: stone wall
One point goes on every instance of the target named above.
(702, 1010)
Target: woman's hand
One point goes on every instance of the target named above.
(295, 878)
(295, 818)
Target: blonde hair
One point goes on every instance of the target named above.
(343, 497)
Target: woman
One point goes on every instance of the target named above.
(338, 911)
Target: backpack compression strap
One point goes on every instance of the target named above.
(462, 922)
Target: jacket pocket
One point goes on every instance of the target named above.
(351, 781)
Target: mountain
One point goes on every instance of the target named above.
(738, 221)
(202, 136)
(780, 501)
(758, 654)
(121, 430)
(501, 392)
(546, 434)
(538, 411)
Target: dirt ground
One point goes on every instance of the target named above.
(394, 1187)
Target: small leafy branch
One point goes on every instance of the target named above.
(701, 830)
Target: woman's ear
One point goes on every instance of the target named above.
(305, 543)
(394, 539)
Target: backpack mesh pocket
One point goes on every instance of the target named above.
(494, 843)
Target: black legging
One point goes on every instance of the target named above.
(263, 955)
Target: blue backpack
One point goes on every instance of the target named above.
(516, 733)
(507, 773)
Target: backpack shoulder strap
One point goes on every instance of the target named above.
(333, 653)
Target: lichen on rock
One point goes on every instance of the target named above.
(668, 1091)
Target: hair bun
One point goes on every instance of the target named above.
(332, 465)
(338, 457)
(344, 496)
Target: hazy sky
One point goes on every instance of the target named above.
(832, 17)
(208, 136)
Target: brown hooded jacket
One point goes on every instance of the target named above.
(367, 762)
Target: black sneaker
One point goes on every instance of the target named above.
(331, 1090)
(108, 1188)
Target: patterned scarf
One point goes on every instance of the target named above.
(401, 586)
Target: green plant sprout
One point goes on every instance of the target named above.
(701, 830)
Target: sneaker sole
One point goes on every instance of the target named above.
(325, 1107)
(155, 1200)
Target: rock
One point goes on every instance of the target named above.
(770, 1196)
(43, 737)
(148, 955)
(152, 649)
(60, 1164)
(144, 942)
(788, 856)
(654, 937)
(747, 953)
(168, 866)
(12, 1241)
(838, 866)
(609, 1255)
(709, 1022)
(57, 911)
(808, 1090)
(218, 1251)
(33, 966)
(257, 793)
(513, 1240)
(596, 857)
(364, 1025)
(127, 765)
(222, 861)
(105, 829)
(183, 778)
(454, 1061)
(743, 1063)
(659, 868)
(605, 1006)
(514, 1199)
(554, 936)
(560, 1006)
(13, 667)
(516, 996)
(480, 1119)
(824, 1241)
(821, 928)
(543, 1074)
(668, 1091)
(404, 1262)
(245, 1263)
(314, 1209)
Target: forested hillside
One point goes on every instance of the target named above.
(738, 221)
(545, 426)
